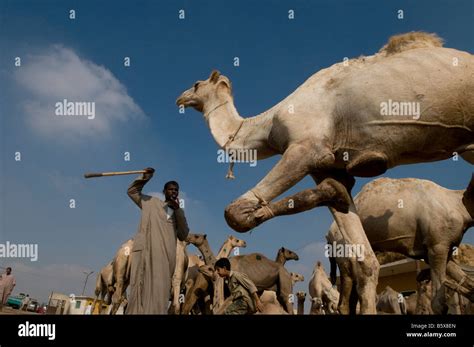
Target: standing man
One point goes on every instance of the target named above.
(7, 283)
(244, 295)
(153, 255)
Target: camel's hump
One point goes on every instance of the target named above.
(412, 40)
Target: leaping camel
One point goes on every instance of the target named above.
(411, 102)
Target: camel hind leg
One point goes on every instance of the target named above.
(365, 267)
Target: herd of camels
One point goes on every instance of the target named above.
(332, 128)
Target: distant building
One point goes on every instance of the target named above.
(400, 275)
(63, 304)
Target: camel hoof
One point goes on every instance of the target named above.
(240, 215)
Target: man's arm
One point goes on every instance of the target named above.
(247, 283)
(181, 224)
(135, 189)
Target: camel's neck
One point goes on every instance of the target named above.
(280, 259)
(300, 306)
(225, 250)
(224, 121)
(205, 249)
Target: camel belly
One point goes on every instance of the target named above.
(413, 107)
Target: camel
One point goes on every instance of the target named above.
(229, 244)
(416, 218)
(317, 306)
(301, 296)
(265, 273)
(270, 303)
(320, 287)
(114, 278)
(285, 254)
(200, 241)
(409, 103)
(121, 274)
(296, 278)
(104, 286)
(391, 302)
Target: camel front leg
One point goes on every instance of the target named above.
(328, 193)
(437, 258)
(297, 161)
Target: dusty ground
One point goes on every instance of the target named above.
(10, 310)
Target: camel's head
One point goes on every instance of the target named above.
(206, 92)
(237, 242)
(196, 239)
(207, 271)
(297, 277)
(317, 305)
(289, 255)
(301, 296)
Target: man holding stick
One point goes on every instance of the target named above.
(153, 255)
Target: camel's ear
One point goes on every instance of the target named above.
(214, 76)
(205, 236)
(319, 263)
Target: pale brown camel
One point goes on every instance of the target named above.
(409, 103)
(416, 218)
(265, 273)
(320, 287)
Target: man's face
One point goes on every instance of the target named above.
(222, 272)
(171, 192)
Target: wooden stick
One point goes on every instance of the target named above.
(115, 173)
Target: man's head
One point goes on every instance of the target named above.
(171, 190)
(9, 270)
(222, 267)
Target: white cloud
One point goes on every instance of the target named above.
(59, 73)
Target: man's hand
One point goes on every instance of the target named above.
(258, 303)
(174, 204)
(149, 173)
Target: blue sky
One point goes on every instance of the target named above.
(64, 58)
